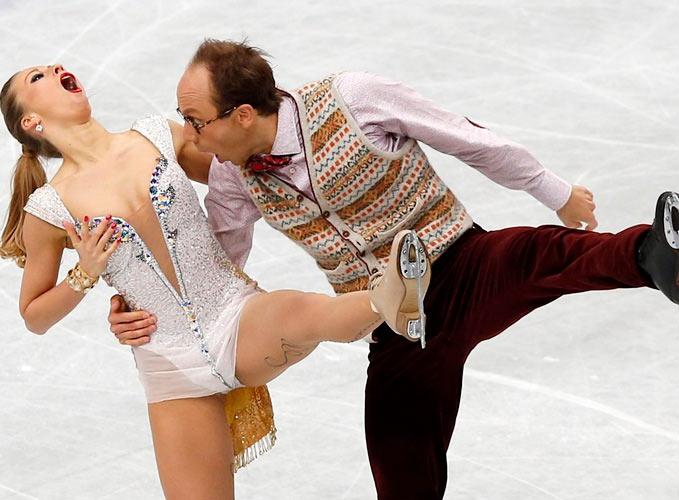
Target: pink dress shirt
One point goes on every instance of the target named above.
(388, 113)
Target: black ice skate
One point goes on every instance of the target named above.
(659, 252)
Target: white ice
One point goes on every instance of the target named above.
(579, 400)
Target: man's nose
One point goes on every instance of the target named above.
(189, 133)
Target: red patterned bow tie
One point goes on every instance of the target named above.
(267, 163)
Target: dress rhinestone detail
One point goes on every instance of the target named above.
(212, 288)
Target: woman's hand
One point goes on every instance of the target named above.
(91, 245)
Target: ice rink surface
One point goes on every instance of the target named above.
(579, 400)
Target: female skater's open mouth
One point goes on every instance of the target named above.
(69, 82)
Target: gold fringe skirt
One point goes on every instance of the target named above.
(249, 414)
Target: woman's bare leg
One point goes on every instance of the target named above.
(278, 329)
(193, 447)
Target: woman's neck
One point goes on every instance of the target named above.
(83, 144)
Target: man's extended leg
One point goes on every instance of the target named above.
(484, 283)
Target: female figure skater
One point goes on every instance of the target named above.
(125, 204)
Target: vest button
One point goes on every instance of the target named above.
(345, 234)
(326, 214)
(374, 270)
(300, 198)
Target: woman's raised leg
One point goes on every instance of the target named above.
(193, 447)
(278, 329)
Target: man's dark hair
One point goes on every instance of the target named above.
(239, 75)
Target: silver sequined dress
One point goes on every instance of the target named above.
(192, 353)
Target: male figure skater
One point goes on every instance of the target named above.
(336, 166)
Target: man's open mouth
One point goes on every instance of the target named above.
(69, 82)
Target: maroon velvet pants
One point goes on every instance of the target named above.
(482, 284)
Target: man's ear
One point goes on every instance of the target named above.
(245, 115)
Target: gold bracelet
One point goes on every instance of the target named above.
(79, 280)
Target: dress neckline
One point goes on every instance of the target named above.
(131, 234)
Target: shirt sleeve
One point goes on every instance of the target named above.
(230, 211)
(388, 108)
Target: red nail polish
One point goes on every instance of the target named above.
(86, 218)
(114, 225)
(108, 217)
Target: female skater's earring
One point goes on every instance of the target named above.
(39, 128)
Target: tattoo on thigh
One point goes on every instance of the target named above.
(365, 331)
(288, 351)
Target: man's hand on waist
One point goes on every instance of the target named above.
(132, 328)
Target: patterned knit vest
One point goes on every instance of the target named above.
(364, 196)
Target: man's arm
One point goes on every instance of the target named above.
(387, 109)
(195, 164)
(231, 212)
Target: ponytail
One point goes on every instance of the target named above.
(29, 175)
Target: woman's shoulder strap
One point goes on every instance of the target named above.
(156, 129)
(46, 204)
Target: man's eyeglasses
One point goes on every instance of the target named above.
(199, 124)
